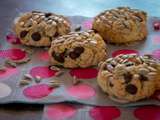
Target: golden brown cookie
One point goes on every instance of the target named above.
(78, 49)
(121, 25)
(129, 78)
(38, 28)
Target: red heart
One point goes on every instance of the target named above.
(104, 113)
(148, 113)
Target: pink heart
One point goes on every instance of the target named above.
(14, 54)
(81, 91)
(59, 111)
(37, 91)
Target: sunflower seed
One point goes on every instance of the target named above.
(28, 76)
(143, 71)
(27, 59)
(152, 75)
(2, 68)
(37, 79)
(46, 48)
(10, 63)
(28, 50)
(54, 68)
(109, 60)
(24, 82)
(124, 56)
(54, 84)
(152, 69)
(21, 23)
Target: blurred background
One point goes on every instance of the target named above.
(87, 8)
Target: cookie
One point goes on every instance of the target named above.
(38, 28)
(78, 49)
(121, 25)
(129, 78)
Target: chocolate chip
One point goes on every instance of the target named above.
(78, 28)
(48, 14)
(127, 77)
(76, 52)
(79, 50)
(58, 57)
(23, 33)
(110, 84)
(36, 36)
(132, 89)
(73, 55)
(56, 34)
(143, 77)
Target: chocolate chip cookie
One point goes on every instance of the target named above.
(38, 28)
(129, 78)
(121, 25)
(78, 49)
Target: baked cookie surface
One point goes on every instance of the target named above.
(121, 25)
(129, 78)
(38, 28)
(78, 49)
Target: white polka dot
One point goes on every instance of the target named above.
(5, 90)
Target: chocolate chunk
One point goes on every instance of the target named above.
(132, 89)
(73, 55)
(79, 50)
(143, 77)
(76, 52)
(110, 84)
(23, 33)
(78, 28)
(48, 14)
(58, 57)
(127, 77)
(36, 36)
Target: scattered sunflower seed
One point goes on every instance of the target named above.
(46, 48)
(27, 59)
(152, 69)
(54, 84)
(37, 79)
(24, 82)
(54, 68)
(28, 76)
(2, 68)
(28, 50)
(10, 63)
